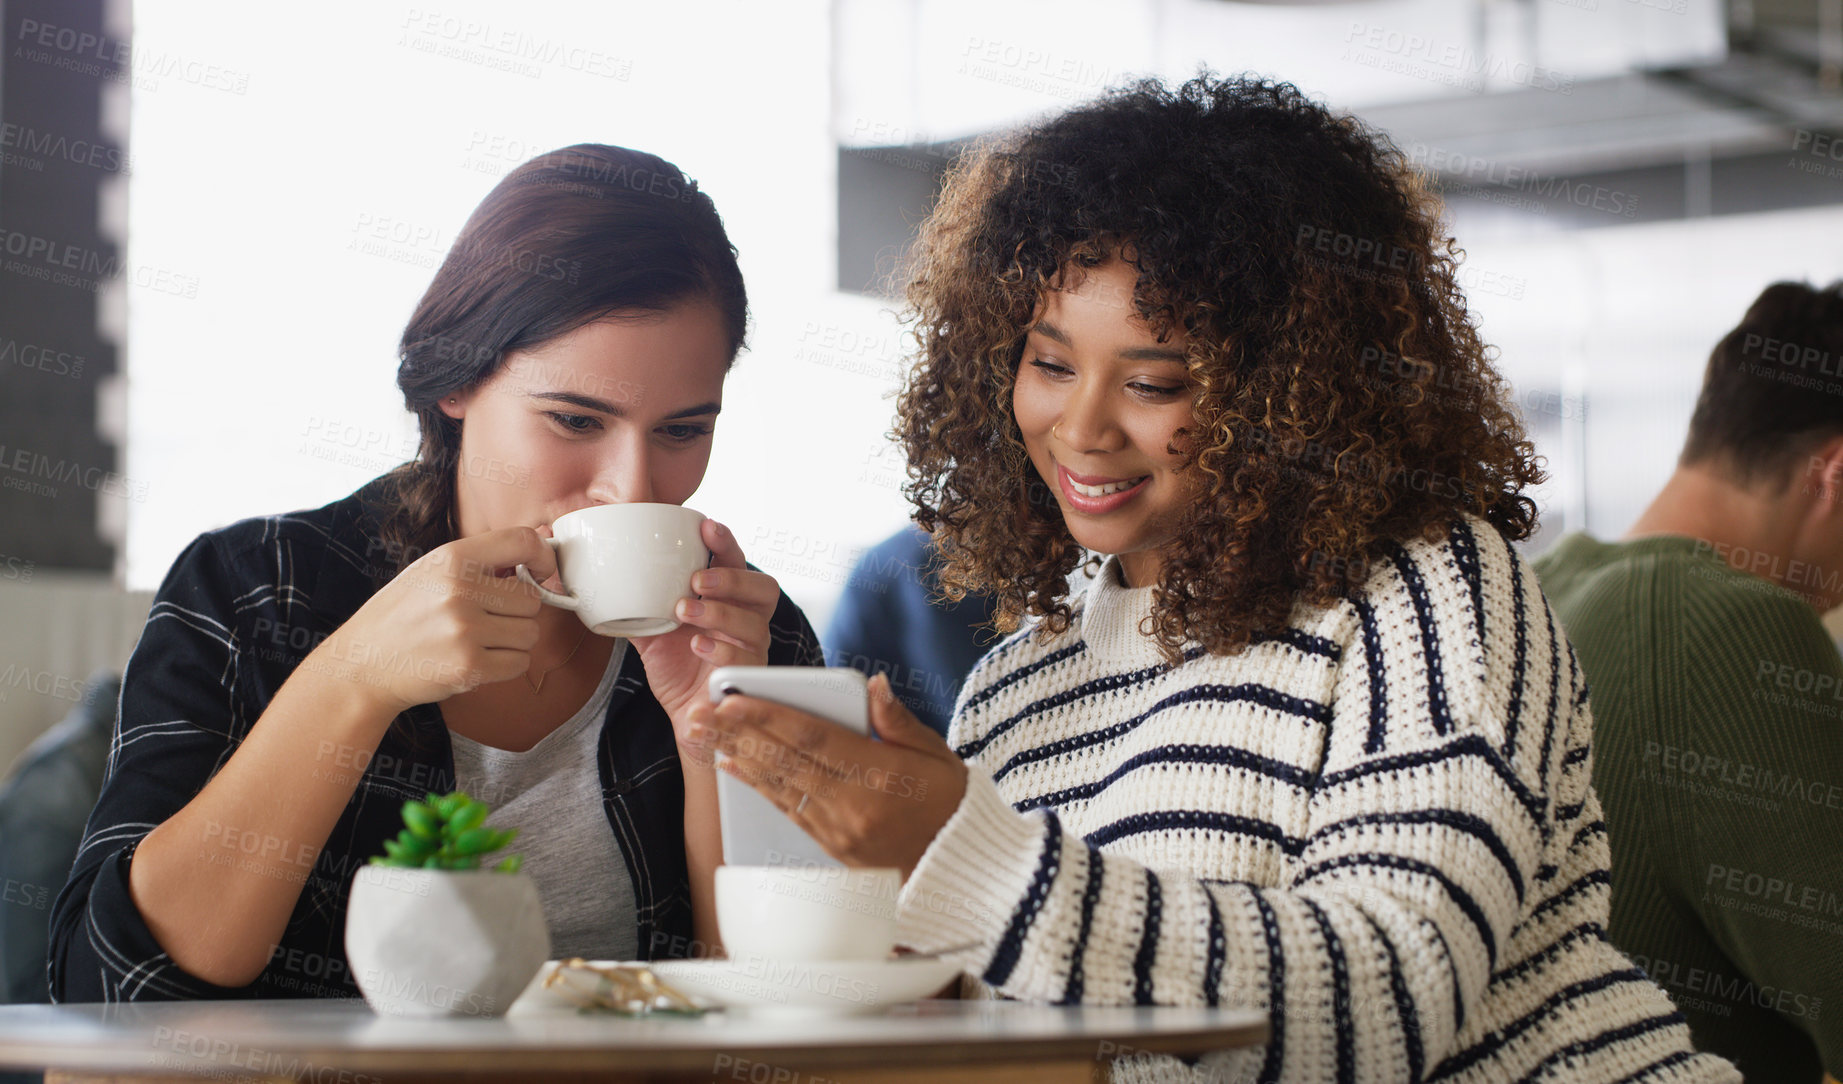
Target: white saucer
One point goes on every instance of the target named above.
(829, 987)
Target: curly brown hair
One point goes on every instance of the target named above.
(1343, 400)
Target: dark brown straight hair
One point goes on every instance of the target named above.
(570, 237)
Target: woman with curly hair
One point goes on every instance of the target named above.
(1310, 740)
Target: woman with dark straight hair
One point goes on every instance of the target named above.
(302, 675)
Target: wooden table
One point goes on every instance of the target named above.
(344, 1042)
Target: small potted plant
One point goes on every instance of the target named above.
(431, 933)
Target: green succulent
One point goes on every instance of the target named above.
(447, 831)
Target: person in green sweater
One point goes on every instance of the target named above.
(1718, 698)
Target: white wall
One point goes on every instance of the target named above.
(60, 629)
(313, 204)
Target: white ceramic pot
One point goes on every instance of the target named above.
(427, 942)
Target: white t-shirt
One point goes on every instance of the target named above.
(552, 793)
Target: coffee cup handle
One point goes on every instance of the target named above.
(567, 602)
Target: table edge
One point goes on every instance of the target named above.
(1252, 1030)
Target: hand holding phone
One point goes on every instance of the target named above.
(755, 832)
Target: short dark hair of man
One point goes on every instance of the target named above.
(1774, 386)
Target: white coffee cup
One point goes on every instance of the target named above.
(625, 566)
(807, 912)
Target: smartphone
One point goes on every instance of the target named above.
(755, 832)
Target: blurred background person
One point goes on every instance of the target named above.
(893, 619)
(1718, 697)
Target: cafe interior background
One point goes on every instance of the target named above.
(215, 218)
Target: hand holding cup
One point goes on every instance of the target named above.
(639, 570)
(625, 566)
(454, 619)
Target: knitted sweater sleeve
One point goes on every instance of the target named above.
(1426, 825)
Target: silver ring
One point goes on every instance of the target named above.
(801, 808)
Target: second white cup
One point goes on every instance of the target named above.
(625, 566)
(807, 913)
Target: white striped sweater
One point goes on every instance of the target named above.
(1376, 826)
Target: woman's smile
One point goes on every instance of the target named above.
(1097, 496)
(1101, 402)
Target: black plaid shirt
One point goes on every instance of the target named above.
(239, 610)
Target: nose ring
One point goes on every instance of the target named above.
(1052, 431)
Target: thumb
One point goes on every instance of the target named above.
(892, 721)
